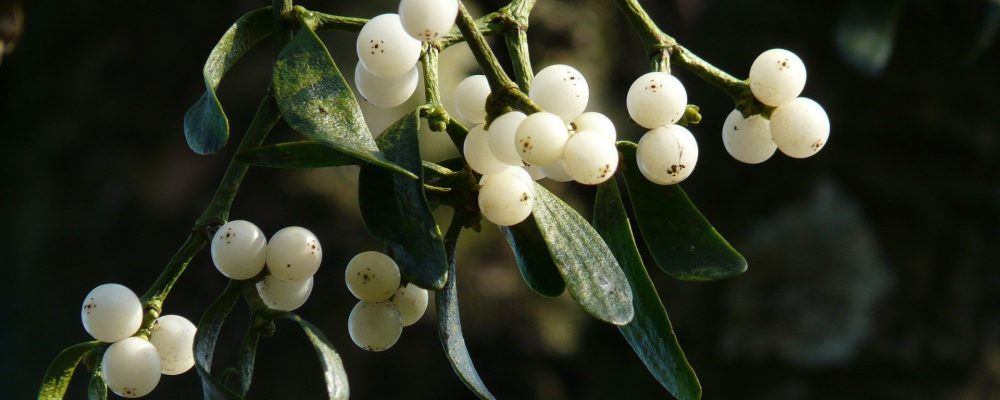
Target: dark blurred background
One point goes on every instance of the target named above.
(873, 265)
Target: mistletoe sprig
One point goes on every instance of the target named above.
(525, 128)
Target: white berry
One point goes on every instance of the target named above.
(667, 155)
(372, 276)
(535, 172)
(173, 337)
(428, 19)
(111, 312)
(557, 172)
(131, 367)
(470, 98)
(800, 127)
(284, 295)
(590, 158)
(411, 301)
(385, 92)
(561, 90)
(522, 173)
(748, 140)
(656, 99)
(294, 253)
(506, 199)
(239, 250)
(477, 152)
(777, 76)
(501, 137)
(375, 326)
(384, 47)
(541, 138)
(597, 122)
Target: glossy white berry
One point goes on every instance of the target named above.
(800, 127)
(523, 173)
(375, 326)
(294, 253)
(541, 138)
(505, 199)
(777, 76)
(385, 92)
(428, 19)
(590, 158)
(239, 250)
(111, 312)
(284, 295)
(173, 337)
(596, 122)
(372, 276)
(667, 155)
(501, 137)
(656, 99)
(411, 301)
(131, 367)
(477, 152)
(384, 47)
(470, 98)
(557, 172)
(561, 90)
(535, 172)
(748, 139)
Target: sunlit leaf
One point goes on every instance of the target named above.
(315, 100)
(533, 259)
(588, 268)
(97, 389)
(682, 242)
(333, 367)
(395, 209)
(866, 33)
(60, 371)
(650, 333)
(206, 127)
(296, 155)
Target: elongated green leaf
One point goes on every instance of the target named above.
(395, 209)
(533, 259)
(60, 371)
(590, 271)
(296, 155)
(245, 359)
(205, 338)
(450, 326)
(206, 127)
(650, 333)
(333, 367)
(682, 242)
(315, 100)
(97, 389)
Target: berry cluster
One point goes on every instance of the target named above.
(389, 47)
(292, 256)
(377, 321)
(798, 126)
(667, 153)
(132, 365)
(562, 143)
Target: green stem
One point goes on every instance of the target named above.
(437, 116)
(499, 81)
(516, 37)
(489, 24)
(328, 21)
(280, 9)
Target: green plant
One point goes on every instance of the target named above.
(557, 250)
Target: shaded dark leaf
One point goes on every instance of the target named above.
(588, 268)
(205, 338)
(296, 155)
(395, 209)
(533, 259)
(333, 367)
(245, 359)
(206, 127)
(866, 33)
(650, 333)
(682, 242)
(315, 100)
(60, 371)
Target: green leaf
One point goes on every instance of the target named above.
(60, 371)
(97, 389)
(866, 32)
(590, 271)
(395, 209)
(533, 259)
(296, 155)
(205, 338)
(206, 127)
(650, 333)
(450, 325)
(245, 359)
(682, 242)
(333, 368)
(315, 100)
